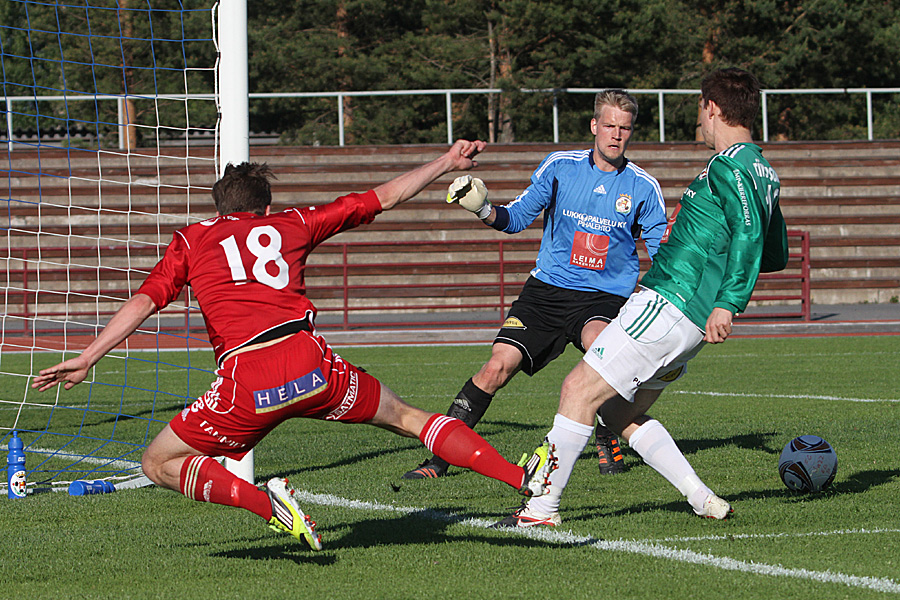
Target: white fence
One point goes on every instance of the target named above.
(448, 94)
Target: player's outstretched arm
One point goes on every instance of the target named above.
(460, 157)
(73, 371)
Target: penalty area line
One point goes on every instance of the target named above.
(644, 548)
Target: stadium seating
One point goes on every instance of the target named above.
(422, 259)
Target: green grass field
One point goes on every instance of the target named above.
(624, 536)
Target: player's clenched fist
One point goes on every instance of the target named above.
(471, 193)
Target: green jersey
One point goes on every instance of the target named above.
(727, 228)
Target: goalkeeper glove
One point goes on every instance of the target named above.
(471, 193)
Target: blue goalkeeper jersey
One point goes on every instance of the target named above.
(592, 221)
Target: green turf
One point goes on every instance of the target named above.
(632, 535)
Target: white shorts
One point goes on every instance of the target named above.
(647, 346)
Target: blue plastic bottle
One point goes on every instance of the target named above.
(82, 488)
(15, 468)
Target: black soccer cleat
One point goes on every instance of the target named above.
(609, 454)
(430, 469)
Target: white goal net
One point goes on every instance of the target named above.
(111, 128)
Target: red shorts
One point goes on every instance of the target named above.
(257, 390)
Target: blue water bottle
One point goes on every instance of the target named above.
(15, 468)
(82, 488)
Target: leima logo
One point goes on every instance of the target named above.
(623, 204)
(589, 250)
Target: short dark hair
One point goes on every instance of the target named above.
(244, 188)
(736, 92)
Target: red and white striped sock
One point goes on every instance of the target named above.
(450, 439)
(203, 479)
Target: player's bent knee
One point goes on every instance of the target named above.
(151, 466)
(503, 364)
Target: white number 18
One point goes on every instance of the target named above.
(264, 255)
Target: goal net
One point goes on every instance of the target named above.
(111, 129)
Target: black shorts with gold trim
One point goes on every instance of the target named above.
(545, 318)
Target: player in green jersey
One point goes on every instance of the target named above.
(726, 230)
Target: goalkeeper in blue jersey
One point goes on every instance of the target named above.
(727, 229)
(596, 205)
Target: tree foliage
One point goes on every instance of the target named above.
(512, 45)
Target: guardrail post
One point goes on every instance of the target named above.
(662, 117)
(346, 284)
(340, 101)
(449, 119)
(806, 285)
(9, 125)
(555, 118)
(869, 117)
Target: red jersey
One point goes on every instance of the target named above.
(247, 271)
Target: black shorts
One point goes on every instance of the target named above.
(545, 318)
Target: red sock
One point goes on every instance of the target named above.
(451, 440)
(205, 480)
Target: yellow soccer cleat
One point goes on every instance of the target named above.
(287, 516)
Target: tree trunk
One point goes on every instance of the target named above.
(492, 98)
(341, 25)
(707, 58)
(505, 71)
(128, 115)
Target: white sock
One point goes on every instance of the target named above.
(656, 446)
(570, 437)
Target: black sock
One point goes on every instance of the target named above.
(469, 406)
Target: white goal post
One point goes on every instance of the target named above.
(234, 129)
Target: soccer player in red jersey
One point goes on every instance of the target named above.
(245, 266)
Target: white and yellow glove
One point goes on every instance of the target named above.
(471, 193)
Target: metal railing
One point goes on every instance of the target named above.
(448, 94)
(361, 287)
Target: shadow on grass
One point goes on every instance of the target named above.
(290, 550)
(423, 527)
(857, 483)
(419, 528)
(748, 441)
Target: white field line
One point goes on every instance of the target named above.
(15, 405)
(641, 547)
(751, 536)
(119, 464)
(785, 396)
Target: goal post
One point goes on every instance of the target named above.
(233, 92)
(119, 117)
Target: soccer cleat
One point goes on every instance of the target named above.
(287, 516)
(538, 469)
(609, 454)
(525, 517)
(715, 508)
(431, 468)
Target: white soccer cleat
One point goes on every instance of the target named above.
(714, 508)
(287, 516)
(525, 517)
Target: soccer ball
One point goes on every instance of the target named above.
(807, 464)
